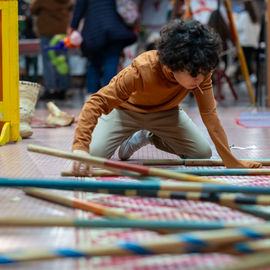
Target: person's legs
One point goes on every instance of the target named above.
(48, 68)
(248, 52)
(62, 80)
(112, 130)
(171, 131)
(93, 72)
(174, 132)
(110, 62)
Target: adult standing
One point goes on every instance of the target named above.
(104, 36)
(248, 27)
(52, 18)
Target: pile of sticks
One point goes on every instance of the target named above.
(227, 237)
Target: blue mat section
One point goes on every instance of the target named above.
(254, 120)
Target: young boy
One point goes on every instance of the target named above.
(140, 104)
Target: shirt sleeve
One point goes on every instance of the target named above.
(35, 7)
(207, 107)
(103, 102)
(78, 13)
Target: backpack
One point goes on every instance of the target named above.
(128, 11)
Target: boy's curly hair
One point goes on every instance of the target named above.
(188, 46)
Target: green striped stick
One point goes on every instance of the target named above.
(119, 166)
(145, 185)
(253, 210)
(51, 221)
(172, 244)
(200, 172)
(195, 162)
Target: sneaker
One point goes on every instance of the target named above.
(133, 143)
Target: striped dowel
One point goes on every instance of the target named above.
(79, 204)
(214, 172)
(195, 162)
(249, 246)
(254, 261)
(145, 185)
(95, 173)
(253, 210)
(120, 166)
(222, 198)
(200, 172)
(172, 244)
(50, 221)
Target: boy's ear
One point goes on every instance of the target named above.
(168, 69)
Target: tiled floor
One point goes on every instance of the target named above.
(17, 162)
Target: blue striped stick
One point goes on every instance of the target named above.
(145, 185)
(172, 244)
(152, 185)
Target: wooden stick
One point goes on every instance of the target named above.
(194, 162)
(95, 173)
(253, 210)
(79, 204)
(227, 199)
(120, 166)
(254, 261)
(51, 221)
(145, 185)
(200, 172)
(172, 244)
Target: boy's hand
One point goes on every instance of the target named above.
(81, 168)
(250, 164)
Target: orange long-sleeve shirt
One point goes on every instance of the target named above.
(146, 86)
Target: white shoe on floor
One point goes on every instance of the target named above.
(133, 143)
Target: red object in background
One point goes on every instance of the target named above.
(29, 47)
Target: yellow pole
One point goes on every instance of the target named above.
(9, 72)
(187, 13)
(240, 53)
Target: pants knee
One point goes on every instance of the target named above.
(205, 152)
(200, 153)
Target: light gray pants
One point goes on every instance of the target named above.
(171, 131)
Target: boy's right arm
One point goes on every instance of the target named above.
(102, 102)
(81, 168)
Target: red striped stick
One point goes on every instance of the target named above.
(119, 166)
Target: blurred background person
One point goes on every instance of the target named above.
(178, 9)
(248, 27)
(52, 17)
(104, 36)
(220, 26)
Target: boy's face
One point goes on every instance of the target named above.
(185, 79)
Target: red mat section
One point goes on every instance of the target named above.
(162, 209)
